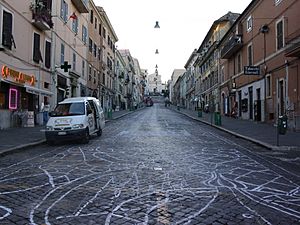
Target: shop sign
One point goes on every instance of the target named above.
(18, 77)
(251, 70)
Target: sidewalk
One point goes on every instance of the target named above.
(257, 132)
(15, 139)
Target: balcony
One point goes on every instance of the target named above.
(293, 44)
(293, 50)
(232, 46)
(81, 5)
(41, 19)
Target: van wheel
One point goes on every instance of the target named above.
(99, 132)
(86, 137)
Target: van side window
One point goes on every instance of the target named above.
(92, 104)
(88, 108)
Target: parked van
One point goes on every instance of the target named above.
(75, 118)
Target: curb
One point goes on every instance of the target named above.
(255, 141)
(16, 149)
(21, 147)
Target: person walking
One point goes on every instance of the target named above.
(45, 109)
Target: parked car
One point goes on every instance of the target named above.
(75, 119)
(149, 102)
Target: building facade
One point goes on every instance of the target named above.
(207, 64)
(260, 63)
(25, 58)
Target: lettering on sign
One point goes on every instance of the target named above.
(18, 77)
(251, 70)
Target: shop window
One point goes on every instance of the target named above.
(2, 100)
(244, 105)
(13, 99)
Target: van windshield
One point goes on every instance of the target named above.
(69, 109)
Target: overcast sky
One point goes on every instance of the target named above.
(183, 26)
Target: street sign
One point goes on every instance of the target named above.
(251, 70)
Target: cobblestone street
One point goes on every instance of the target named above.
(154, 166)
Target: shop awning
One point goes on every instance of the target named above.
(37, 91)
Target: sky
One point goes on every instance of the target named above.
(183, 26)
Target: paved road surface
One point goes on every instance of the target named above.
(154, 166)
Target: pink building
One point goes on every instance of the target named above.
(259, 70)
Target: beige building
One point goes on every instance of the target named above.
(95, 51)
(108, 61)
(25, 60)
(207, 64)
(69, 44)
(260, 66)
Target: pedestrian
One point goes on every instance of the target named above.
(45, 109)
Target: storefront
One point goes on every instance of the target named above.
(18, 97)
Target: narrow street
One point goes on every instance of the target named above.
(153, 166)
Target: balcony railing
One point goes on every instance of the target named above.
(81, 5)
(293, 44)
(232, 46)
(41, 19)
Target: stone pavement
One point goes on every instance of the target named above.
(257, 132)
(14, 139)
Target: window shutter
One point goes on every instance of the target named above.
(36, 48)
(48, 54)
(7, 29)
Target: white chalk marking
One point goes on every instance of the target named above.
(51, 181)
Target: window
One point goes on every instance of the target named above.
(277, 2)
(48, 54)
(94, 80)
(62, 53)
(268, 86)
(7, 26)
(90, 45)
(99, 53)
(75, 25)
(37, 56)
(84, 34)
(64, 11)
(95, 50)
(96, 22)
(249, 23)
(90, 73)
(74, 61)
(100, 29)
(250, 55)
(83, 68)
(91, 16)
(279, 35)
(104, 33)
(222, 74)
(239, 63)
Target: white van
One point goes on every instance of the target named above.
(75, 118)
